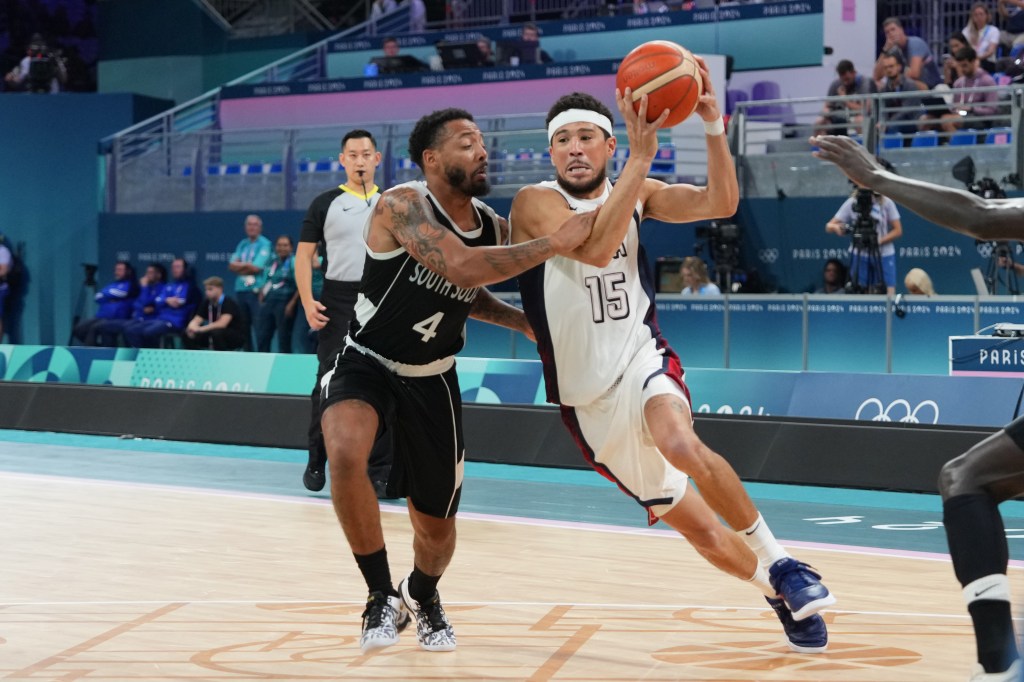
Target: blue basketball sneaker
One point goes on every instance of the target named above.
(807, 636)
(801, 587)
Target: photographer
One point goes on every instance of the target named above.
(41, 70)
(873, 223)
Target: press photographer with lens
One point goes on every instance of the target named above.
(872, 222)
(42, 69)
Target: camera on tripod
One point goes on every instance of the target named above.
(863, 231)
(1001, 266)
(723, 242)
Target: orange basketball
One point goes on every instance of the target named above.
(668, 74)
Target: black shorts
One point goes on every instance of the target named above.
(424, 415)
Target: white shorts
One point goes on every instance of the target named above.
(614, 437)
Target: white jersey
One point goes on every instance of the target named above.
(590, 322)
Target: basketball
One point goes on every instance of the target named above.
(668, 74)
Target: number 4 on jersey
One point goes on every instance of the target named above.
(426, 327)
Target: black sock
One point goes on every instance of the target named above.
(376, 571)
(422, 586)
(977, 544)
(993, 629)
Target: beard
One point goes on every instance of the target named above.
(459, 180)
(582, 187)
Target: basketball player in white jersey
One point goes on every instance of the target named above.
(618, 382)
(430, 249)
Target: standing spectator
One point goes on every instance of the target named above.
(382, 7)
(278, 298)
(151, 284)
(840, 116)
(982, 35)
(174, 306)
(955, 42)
(248, 262)
(417, 16)
(971, 104)
(1012, 12)
(337, 218)
(217, 324)
(872, 266)
(6, 261)
(114, 303)
(833, 278)
(695, 276)
(914, 53)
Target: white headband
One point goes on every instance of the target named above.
(579, 116)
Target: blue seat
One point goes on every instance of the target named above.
(925, 138)
(892, 141)
(999, 136)
(967, 136)
(665, 159)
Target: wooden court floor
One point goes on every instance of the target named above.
(109, 581)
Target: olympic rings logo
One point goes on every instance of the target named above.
(899, 408)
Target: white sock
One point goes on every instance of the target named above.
(759, 538)
(761, 582)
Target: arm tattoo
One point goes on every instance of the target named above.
(416, 229)
(487, 308)
(515, 259)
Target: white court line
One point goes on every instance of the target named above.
(476, 516)
(497, 604)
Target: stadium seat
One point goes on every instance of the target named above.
(999, 136)
(665, 159)
(892, 141)
(732, 97)
(925, 138)
(967, 136)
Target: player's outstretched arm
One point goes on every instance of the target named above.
(407, 217)
(682, 203)
(955, 209)
(488, 308)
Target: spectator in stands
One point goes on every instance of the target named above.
(695, 276)
(955, 42)
(174, 306)
(279, 299)
(217, 324)
(967, 105)
(531, 34)
(914, 54)
(417, 16)
(390, 62)
(483, 43)
(382, 7)
(918, 282)
(151, 284)
(114, 303)
(249, 262)
(6, 261)
(833, 277)
(900, 114)
(1012, 12)
(839, 117)
(982, 35)
(41, 70)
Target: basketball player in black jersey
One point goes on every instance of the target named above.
(431, 248)
(973, 484)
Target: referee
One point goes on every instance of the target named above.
(337, 218)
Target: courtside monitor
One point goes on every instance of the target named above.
(519, 51)
(402, 63)
(460, 55)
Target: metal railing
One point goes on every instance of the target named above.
(265, 17)
(771, 134)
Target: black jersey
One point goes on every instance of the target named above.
(406, 313)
